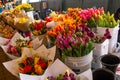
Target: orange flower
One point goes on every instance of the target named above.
(24, 62)
(38, 69)
(51, 33)
(21, 70)
(69, 33)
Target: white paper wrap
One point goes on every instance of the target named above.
(36, 43)
(30, 15)
(3, 41)
(51, 24)
(114, 34)
(59, 67)
(15, 37)
(12, 42)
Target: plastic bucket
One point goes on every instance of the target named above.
(99, 50)
(114, 34)
(110, 62)
(103, 74)
(79, 64)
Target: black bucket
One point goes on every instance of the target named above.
(110, 62)
(103, 74)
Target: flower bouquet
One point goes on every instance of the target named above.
(63, 72)
(38, 28)
(33, 63)
(8, 18)
(6, 30)
(108, 21)
(22, 23)
(14, 48)
(24, 6)
(62, 77)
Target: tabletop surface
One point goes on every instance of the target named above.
(4, 74)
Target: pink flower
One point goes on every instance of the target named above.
(90, 12)
(107, 34)
(66, 42)
(69, 48)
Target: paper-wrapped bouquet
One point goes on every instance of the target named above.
(15, 46)
(32, 64)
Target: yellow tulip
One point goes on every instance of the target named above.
(38, 69)
(67, 71)
(45, 79)
(36, 60)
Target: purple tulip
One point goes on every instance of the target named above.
(92, 34)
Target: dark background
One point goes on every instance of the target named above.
(109, 5)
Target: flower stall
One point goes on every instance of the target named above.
(65, 45)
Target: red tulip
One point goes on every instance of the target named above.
(42, 64)
(38, 26)
(27, 69)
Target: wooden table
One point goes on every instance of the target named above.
(4, 74)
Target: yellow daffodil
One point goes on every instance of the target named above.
(24, 6)
(23, 20)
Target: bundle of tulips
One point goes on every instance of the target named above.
(77, 44)
(38, 28)
(33, 65)
(17, 49)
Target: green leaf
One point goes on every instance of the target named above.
(59, 77)
(21, 65)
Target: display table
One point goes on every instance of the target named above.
(4, 74)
